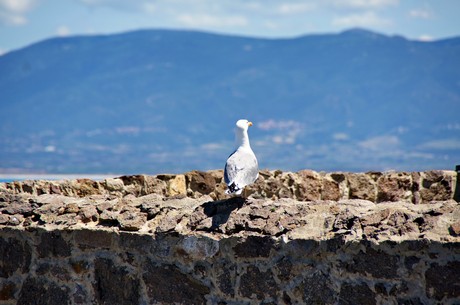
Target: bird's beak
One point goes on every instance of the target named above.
(249, 123)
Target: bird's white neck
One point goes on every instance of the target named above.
(242, 138)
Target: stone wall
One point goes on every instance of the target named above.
(305, 185)
(300, 238)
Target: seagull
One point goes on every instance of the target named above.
(241, 168)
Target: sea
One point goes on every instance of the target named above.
(22, 177)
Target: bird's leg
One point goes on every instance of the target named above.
(245, 195)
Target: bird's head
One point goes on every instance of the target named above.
(243, 124)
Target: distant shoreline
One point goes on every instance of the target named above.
(21, 177)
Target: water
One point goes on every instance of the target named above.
(22, 177)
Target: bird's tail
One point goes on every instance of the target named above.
(233, 189)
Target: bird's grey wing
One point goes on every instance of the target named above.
(241, 168)
(229, 170)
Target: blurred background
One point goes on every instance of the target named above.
(144, 86)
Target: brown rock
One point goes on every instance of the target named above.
(375, 219)
(141, 185)
(4, 219)
(131, 221)
(168, 223)
(71, 208)
(177, 186)
(394, 187)
(108, 217)
(153, 185)
(310, 185)
(454, 229)
(114, 184)
(201, 182)
(86, 187)
(16, 220)
(23, 208)
(88, 213)
(362, 186)
(330, 189)
(28, 186)
(437, 185)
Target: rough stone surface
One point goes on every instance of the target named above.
(114, 284)
(300, 238)
(304, 185)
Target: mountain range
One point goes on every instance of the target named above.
(155, 101)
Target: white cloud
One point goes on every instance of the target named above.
(2, 51)
(12, 12)
(17, 6)
(453, 126)
(286, 131)
(149, 7)
(295, 8)
(213, 146)
(340, 136)
(444, 144)
(420, 13)
(144, 6)
(366, 19)
(380, 143)
(63, 31)
(365, 4)
(279, 125)
(198, 20)
(426, 38)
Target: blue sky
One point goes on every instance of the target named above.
(23, 22)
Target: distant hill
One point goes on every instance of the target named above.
(154, 101)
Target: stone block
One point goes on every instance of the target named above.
(177, 186)
(315, 288)
(15, 256)
(309, 185)
(437, 185)
(365, 262)
(114, 184)
(40, 290)
(254, 246)
(7, 290)
(201, 182)
(198, 248)
(168, 285)
(52, 243)
(114, 284)
(226, 277)
(394, 187)
(86, 187)
(257, 284)
(443, 281)
(93, 239)
(362, 186)
(330, 189)
(356, 293)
